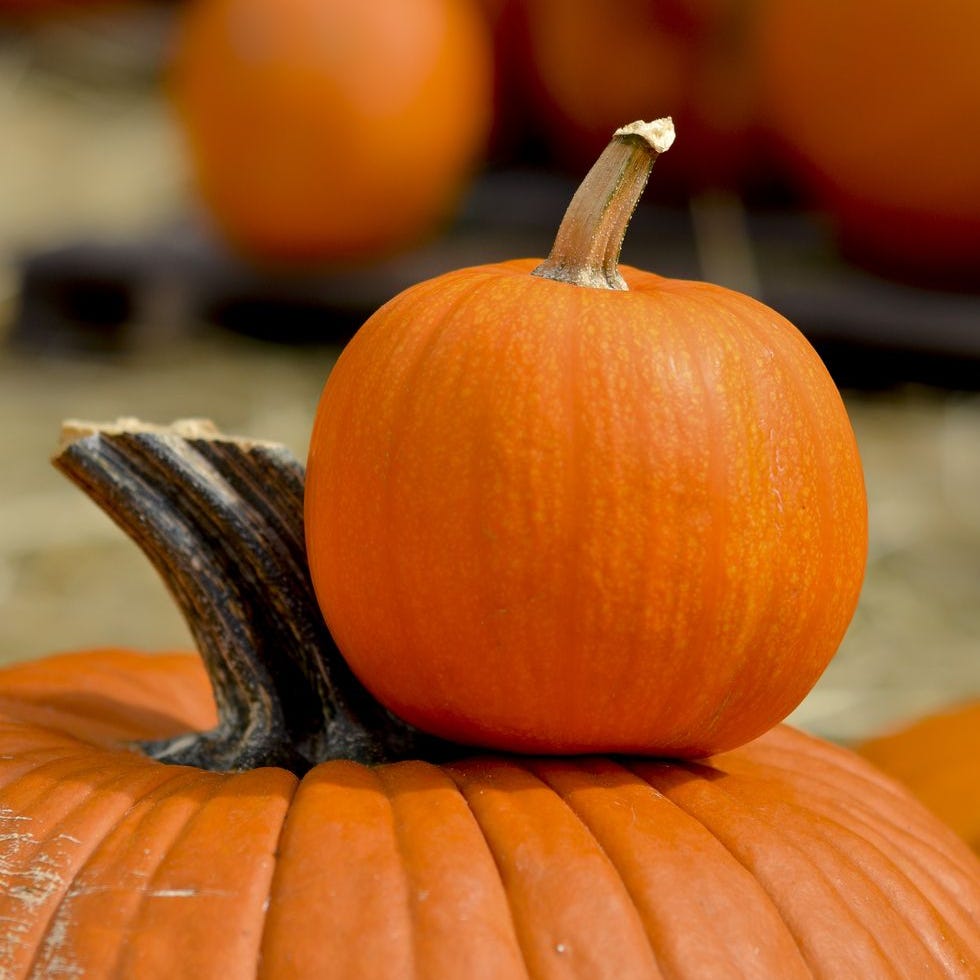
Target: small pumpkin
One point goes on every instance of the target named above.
(555, 507)
(938, 758)
(785, 858)
(290, 109)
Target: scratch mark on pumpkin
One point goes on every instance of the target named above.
(53, 961)
(31, 872)
(189, 893)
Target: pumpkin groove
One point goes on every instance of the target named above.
(888, 824)
(938, 758)
(922, 862)
(600, 934)
(217, 870)
(902, 834)
(69, 811)
(848, 863)
(798, 881)
(658, 849)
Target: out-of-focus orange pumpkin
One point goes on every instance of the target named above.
(552, 510)
(938, 758)
(876, 105)
(592, 64)
(324, 129)
(786, 858)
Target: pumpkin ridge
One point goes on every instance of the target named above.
(720, 470)
(495, 856)
(51, 881)
(208, 875)
(544, 769)
(416, 827)
(867, 825)
(825, 793)
(134, 679)
(401, 852)
(828, 500)
(104, 731)
(575, 481)
(658, 775)
(17, 761)
(844, 844)
(483, 782)
(782, 747)
(334, 842)
(57, 936)
(791, 930)
(706, 301)
(182, 773)
(935, 857)
(655, 913)
(928, 905)
(486, 433)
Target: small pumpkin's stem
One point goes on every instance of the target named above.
(221, 519)
(590, 237)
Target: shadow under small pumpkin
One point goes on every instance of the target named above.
(298, 828)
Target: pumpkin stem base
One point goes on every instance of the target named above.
(221, 519)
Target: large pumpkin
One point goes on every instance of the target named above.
(786, 858)
(938, 758)
(324, 129)
(550, 508)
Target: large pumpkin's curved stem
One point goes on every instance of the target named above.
(221, 519)
(590, 237)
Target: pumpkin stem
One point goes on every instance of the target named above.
(221, 519)
(590, 237)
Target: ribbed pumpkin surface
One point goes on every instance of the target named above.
(788, 857)
(938, 758)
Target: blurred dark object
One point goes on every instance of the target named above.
(97, 298)
(93, 42)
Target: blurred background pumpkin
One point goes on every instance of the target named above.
(323, 129)
(873, 108)
(142, 272)
(590, 66)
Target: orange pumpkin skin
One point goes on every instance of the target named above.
(786, 858)
(543, 517)
(938, 758)
(321, 129)
(875, 107)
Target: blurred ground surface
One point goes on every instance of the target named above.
(98, 157)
